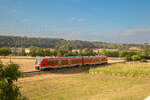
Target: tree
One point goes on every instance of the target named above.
(23, 53)
(40, 52)
(8, 75)
(47, 52)
(33, 51)
(5, 51)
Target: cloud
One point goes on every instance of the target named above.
(81, 20)
(73, 18)
(24, 20)
(77, 19)
(14, 11)
(134, 35)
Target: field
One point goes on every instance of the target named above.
(129, 81)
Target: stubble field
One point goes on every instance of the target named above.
(129, 81)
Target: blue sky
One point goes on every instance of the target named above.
(119, 21)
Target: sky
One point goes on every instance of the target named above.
(116, 21)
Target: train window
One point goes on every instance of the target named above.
(63, 62)
(53, 62)
(73, 61)
(59, 62)
(49, 62)
(69, 61)
(86, 60)
(66, 62)
(56, 62)
(76, 61)
(44, 63)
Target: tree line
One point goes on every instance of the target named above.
(129, 55)
(61, 52)
(42, 52)
(26, 42)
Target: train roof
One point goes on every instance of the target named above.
(70, 57)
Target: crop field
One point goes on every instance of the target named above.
(111, 82)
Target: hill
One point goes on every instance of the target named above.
(18, 41)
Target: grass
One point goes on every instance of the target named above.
(101, 83)
(129, 69)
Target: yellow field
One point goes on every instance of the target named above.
(79, 84)
(90, 83)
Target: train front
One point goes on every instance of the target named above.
(38, 63)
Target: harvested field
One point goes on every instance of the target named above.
(81, 84)
(25, 64)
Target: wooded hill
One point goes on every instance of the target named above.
(18, 41)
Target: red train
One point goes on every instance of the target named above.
(43, 63)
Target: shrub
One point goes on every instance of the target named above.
(127, 52)
(143, 60)
(128, 58)
(143, 54)
(110, 53)
(8, 75)
(135, 57)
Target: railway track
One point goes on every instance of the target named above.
(53, 70)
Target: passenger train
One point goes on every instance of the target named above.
(43, 63)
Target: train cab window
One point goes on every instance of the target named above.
(38, 61)
(44, 63)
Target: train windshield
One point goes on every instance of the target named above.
(38, 61)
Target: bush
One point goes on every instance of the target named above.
(128, 58)
(5, 51)
(8, 75)
(144, 54)
(127, 52)
(110, 53)
(143, 60)
(135, 58)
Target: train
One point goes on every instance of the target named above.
(44, 63)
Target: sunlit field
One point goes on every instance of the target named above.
(128, 69)
(128, 81)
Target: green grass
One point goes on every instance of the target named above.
(103, 83)
(129, 69)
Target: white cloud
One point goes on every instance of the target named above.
(24, 20)
(81, 20)
(134, 35)
(77, 19)
(73, 18)
(14, 11)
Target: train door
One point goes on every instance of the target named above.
(69, 61)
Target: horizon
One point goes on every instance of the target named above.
(96, 21)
